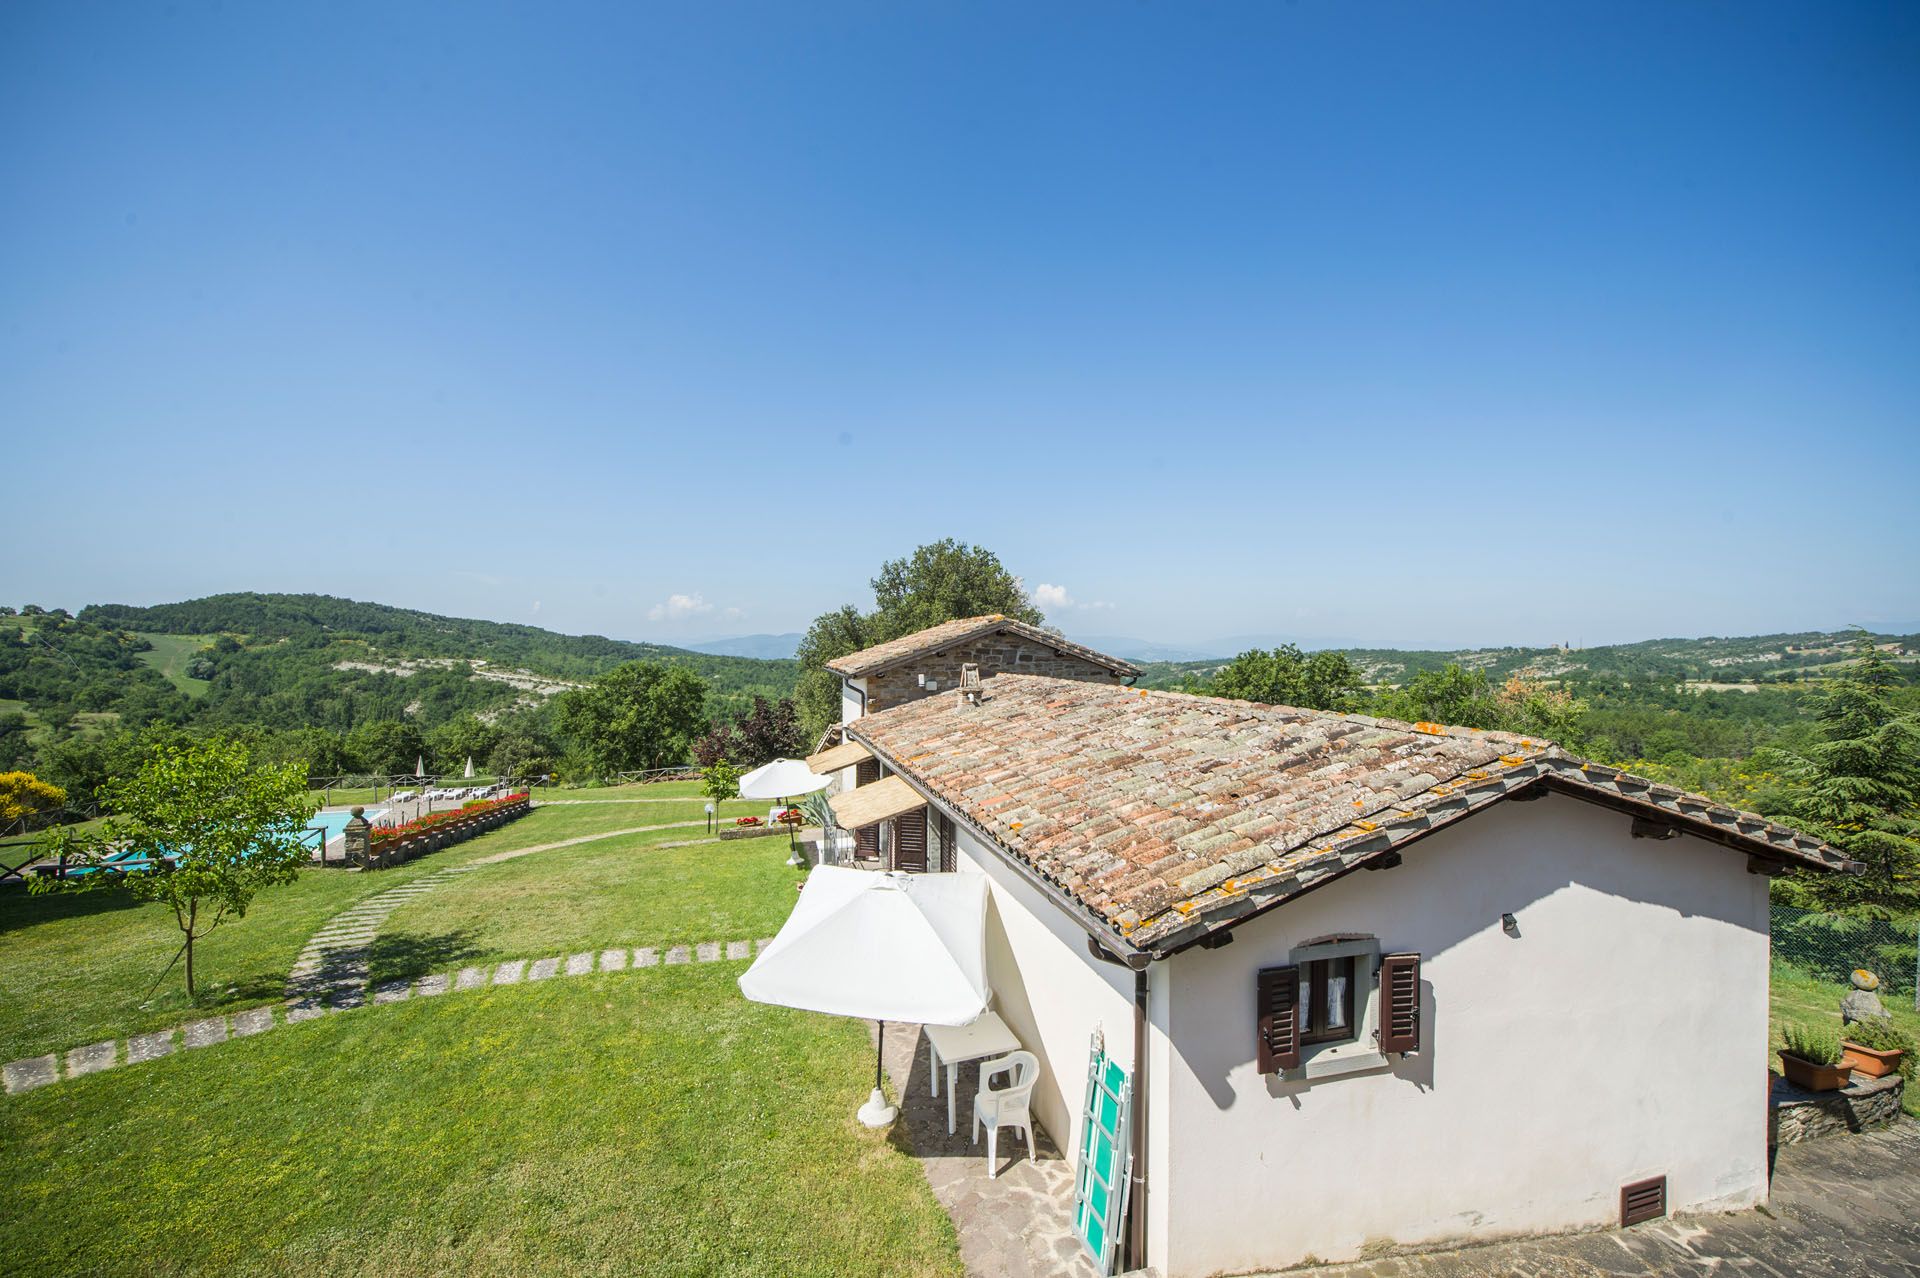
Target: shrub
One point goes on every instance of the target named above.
(1880, 1035)
(1815, 1044)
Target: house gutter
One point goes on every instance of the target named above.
(1097, 930)
(1136, 1254)
(1103, 945)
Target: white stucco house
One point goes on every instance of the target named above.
(1374, 982)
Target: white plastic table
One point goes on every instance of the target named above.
(953, 1045)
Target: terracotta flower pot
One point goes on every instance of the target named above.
(1815, 1078)
(1869, 1062)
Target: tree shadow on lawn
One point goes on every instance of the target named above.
(20, 908)
(406, 955)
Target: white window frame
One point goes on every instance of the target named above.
(1361, 1052)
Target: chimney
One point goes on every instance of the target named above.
(970, 684)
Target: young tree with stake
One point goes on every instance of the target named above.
(206, 829)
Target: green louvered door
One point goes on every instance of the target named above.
(1106, 1158)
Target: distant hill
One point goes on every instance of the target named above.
(1148, 650)
(296, 661)
(403, 632)
(760, 647)
(1708, 660)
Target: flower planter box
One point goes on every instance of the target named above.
(1815, 1078)
(1869, 1062)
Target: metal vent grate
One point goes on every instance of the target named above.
(1643, 1200)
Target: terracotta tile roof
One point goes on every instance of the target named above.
(1168, 816)
(884, 656)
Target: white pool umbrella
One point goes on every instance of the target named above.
(469, 767)
(783, 779)
(884, 947)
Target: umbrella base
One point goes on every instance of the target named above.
(876, 1112)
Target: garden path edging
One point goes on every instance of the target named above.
(38, 1071)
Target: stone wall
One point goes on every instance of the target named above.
(994, 654)
(1798, 1115)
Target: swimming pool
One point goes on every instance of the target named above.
(334, 823)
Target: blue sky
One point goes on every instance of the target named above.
(1405, 324)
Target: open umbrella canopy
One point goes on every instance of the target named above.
(886, 947)
(782, 779)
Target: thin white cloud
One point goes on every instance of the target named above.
(1058, 599)
(679, 608)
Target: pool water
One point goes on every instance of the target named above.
(335, 823)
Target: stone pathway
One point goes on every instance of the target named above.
(1016, 1224)
(332, 970)
(38, 1071)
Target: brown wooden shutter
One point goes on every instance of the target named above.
(1278, 1019)
(910, 842)
(1400, 1003)
(943, 824)
(866, 840)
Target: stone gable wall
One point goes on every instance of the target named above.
(994, 654)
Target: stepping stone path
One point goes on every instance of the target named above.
(254, 1020)
(38, 1071)
(204, 1033)
(332, 972)
(150, 1047)
(333, 969)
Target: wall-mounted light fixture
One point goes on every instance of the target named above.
(1510, 925)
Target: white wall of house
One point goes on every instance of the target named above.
(853, 704)
(1621, 1035)
(1049, 990)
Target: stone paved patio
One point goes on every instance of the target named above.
(1013, 1226)
(1841, 1207)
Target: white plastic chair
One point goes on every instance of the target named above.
(1009, 1106)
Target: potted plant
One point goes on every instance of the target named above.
(1811, 1059)
(1875, 1048)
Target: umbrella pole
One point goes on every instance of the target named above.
(876, 1112)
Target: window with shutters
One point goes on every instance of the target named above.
(866, 841)
(945, 834)
(1337, 1007)
(909, 850)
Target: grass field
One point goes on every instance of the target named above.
(76, 968)
(1798, 997)
(170, 655)
(649, 1122)
(626, 891)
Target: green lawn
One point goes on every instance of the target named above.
(648, 1122)
(1798, 997)
(626, 891)
(77, 968)
(170, 655)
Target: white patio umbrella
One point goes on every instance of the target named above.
(469, 767)
(780, 780)
(884, 947)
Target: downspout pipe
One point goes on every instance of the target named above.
(1136, 1251)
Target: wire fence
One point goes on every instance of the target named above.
(1831, 946)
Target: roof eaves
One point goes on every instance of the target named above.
(987, 626)
(1090, 920)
